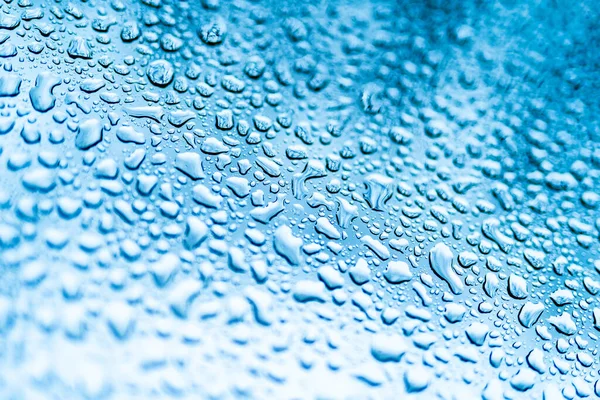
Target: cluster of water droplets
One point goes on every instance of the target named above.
(253, 199)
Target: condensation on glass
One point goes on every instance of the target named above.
(290, 200)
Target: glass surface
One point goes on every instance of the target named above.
(298, 199)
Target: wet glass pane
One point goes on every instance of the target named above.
(255, 199)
